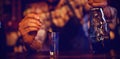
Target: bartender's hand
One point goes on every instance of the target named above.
(95, 3)
(28, 28)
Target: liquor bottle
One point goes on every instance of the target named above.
(98, 31)
(98, 25)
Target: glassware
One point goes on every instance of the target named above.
(54, 43)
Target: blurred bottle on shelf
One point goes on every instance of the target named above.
(99, 31)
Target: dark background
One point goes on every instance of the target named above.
(12, 10)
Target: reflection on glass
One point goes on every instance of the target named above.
(54, 44)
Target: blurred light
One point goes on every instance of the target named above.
(112, 35)
(11, 38)
(10, 23)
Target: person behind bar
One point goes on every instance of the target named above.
(63, 16)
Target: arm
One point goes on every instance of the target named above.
(95, 3)
(31, 27)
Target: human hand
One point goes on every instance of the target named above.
(29, 26)
(97, 3)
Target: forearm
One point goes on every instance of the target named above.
(95, 3)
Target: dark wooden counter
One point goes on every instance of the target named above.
(62, 55)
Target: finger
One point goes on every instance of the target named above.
(30, 29)
(33, 15)
(90, 1)
(27, 20)
(28, 39)
(22, 22)
(32, 18)
(102, 4)
(36, 45)
(35, 21)
(31, 23)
